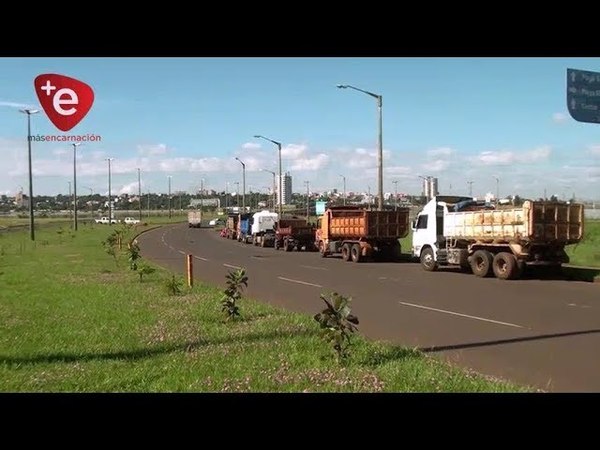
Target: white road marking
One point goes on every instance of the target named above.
(300, 282)
(230, 266)
(200, 257)
(314, 267)
(462, 315)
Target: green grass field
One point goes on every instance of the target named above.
(71, 320)
(587, 252)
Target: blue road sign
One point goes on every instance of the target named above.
(583, 95)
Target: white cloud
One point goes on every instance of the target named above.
(440, 151)
(130, 188)
(293, 151)
(504, 157)
(559, 118)
(594, 150)
(316, 162)
(17, 105)
(152, 149)
(60, 151)
(250, 146)
(436, 166)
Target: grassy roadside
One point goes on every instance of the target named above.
(72, 320)
(587, 252)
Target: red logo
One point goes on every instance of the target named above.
(65, 100)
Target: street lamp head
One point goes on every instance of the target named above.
(29, 111)
(76, 144)
(342, 86)
(258, 136)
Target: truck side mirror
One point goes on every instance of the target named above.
(414, 225)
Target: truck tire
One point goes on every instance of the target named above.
(346, 252)
(428, 261)
(276, 244)
(355, 253)
(505, 266)
(262, 242)
(481, 263)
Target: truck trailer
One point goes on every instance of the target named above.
(244, 228)
(194, 219)
(231, 226)
(358, 233)
(294, 233)
(498, 240)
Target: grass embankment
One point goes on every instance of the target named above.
(72, 320)
(587, 252)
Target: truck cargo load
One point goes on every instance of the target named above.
(357, 233)
(194, 219)
(294, 233)
(495, 239)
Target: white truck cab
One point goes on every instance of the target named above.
(428, 228)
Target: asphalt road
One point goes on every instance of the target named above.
(538, 332)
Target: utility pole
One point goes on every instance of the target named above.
(169, 196)
(395, 194)
(140, 192)
(470, 183)
(344, 178)
(109, 193)
(307, 183)
(75, 145)
(70, 200)
(201, 193)
(237, 193)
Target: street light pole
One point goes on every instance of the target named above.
(497, 188)
(395, 194)
(70, 198)
(470, 183)
(169, 176)
(344, 178)
(29, 112)
(273, 188)
(307, 183)
(109, 193)
(237, 194)
(280, 187)
(379, 99)
(75, 145)
(243, 183)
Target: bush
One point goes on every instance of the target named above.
(337, 324)
(236, 280)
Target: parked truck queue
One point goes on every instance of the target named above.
(486, 239)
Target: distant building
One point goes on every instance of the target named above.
(197, 202)
(286, 199)
(21, 200)
(430, 187)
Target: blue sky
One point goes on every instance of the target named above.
(459, 119)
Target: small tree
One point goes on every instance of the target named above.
(236, 280)
(337, 324)
(133, 252)
(109, 245)
(174, 285)
(144, 269)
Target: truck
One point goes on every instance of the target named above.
(294, 233)
(194, 219)
(231, 226)
(358, 233)
(263, 228)
(499, 240)
(244, 228)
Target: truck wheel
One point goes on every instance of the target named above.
(262, 242)
(346, 252)
(428, 261)
(322, 249)
(355, 253)
(481, 263)
(276, 244)
(505, 266)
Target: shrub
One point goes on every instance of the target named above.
(236, 280)
(337, 324)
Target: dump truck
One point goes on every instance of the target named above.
(244, 228)
(194, 219)
(231, 226)
(294, 233)
(358, 233)
(500, 240)
(263, 228)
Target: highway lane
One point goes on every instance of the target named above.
(543, 333)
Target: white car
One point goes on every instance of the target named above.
(131, 221)
(215, 222)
